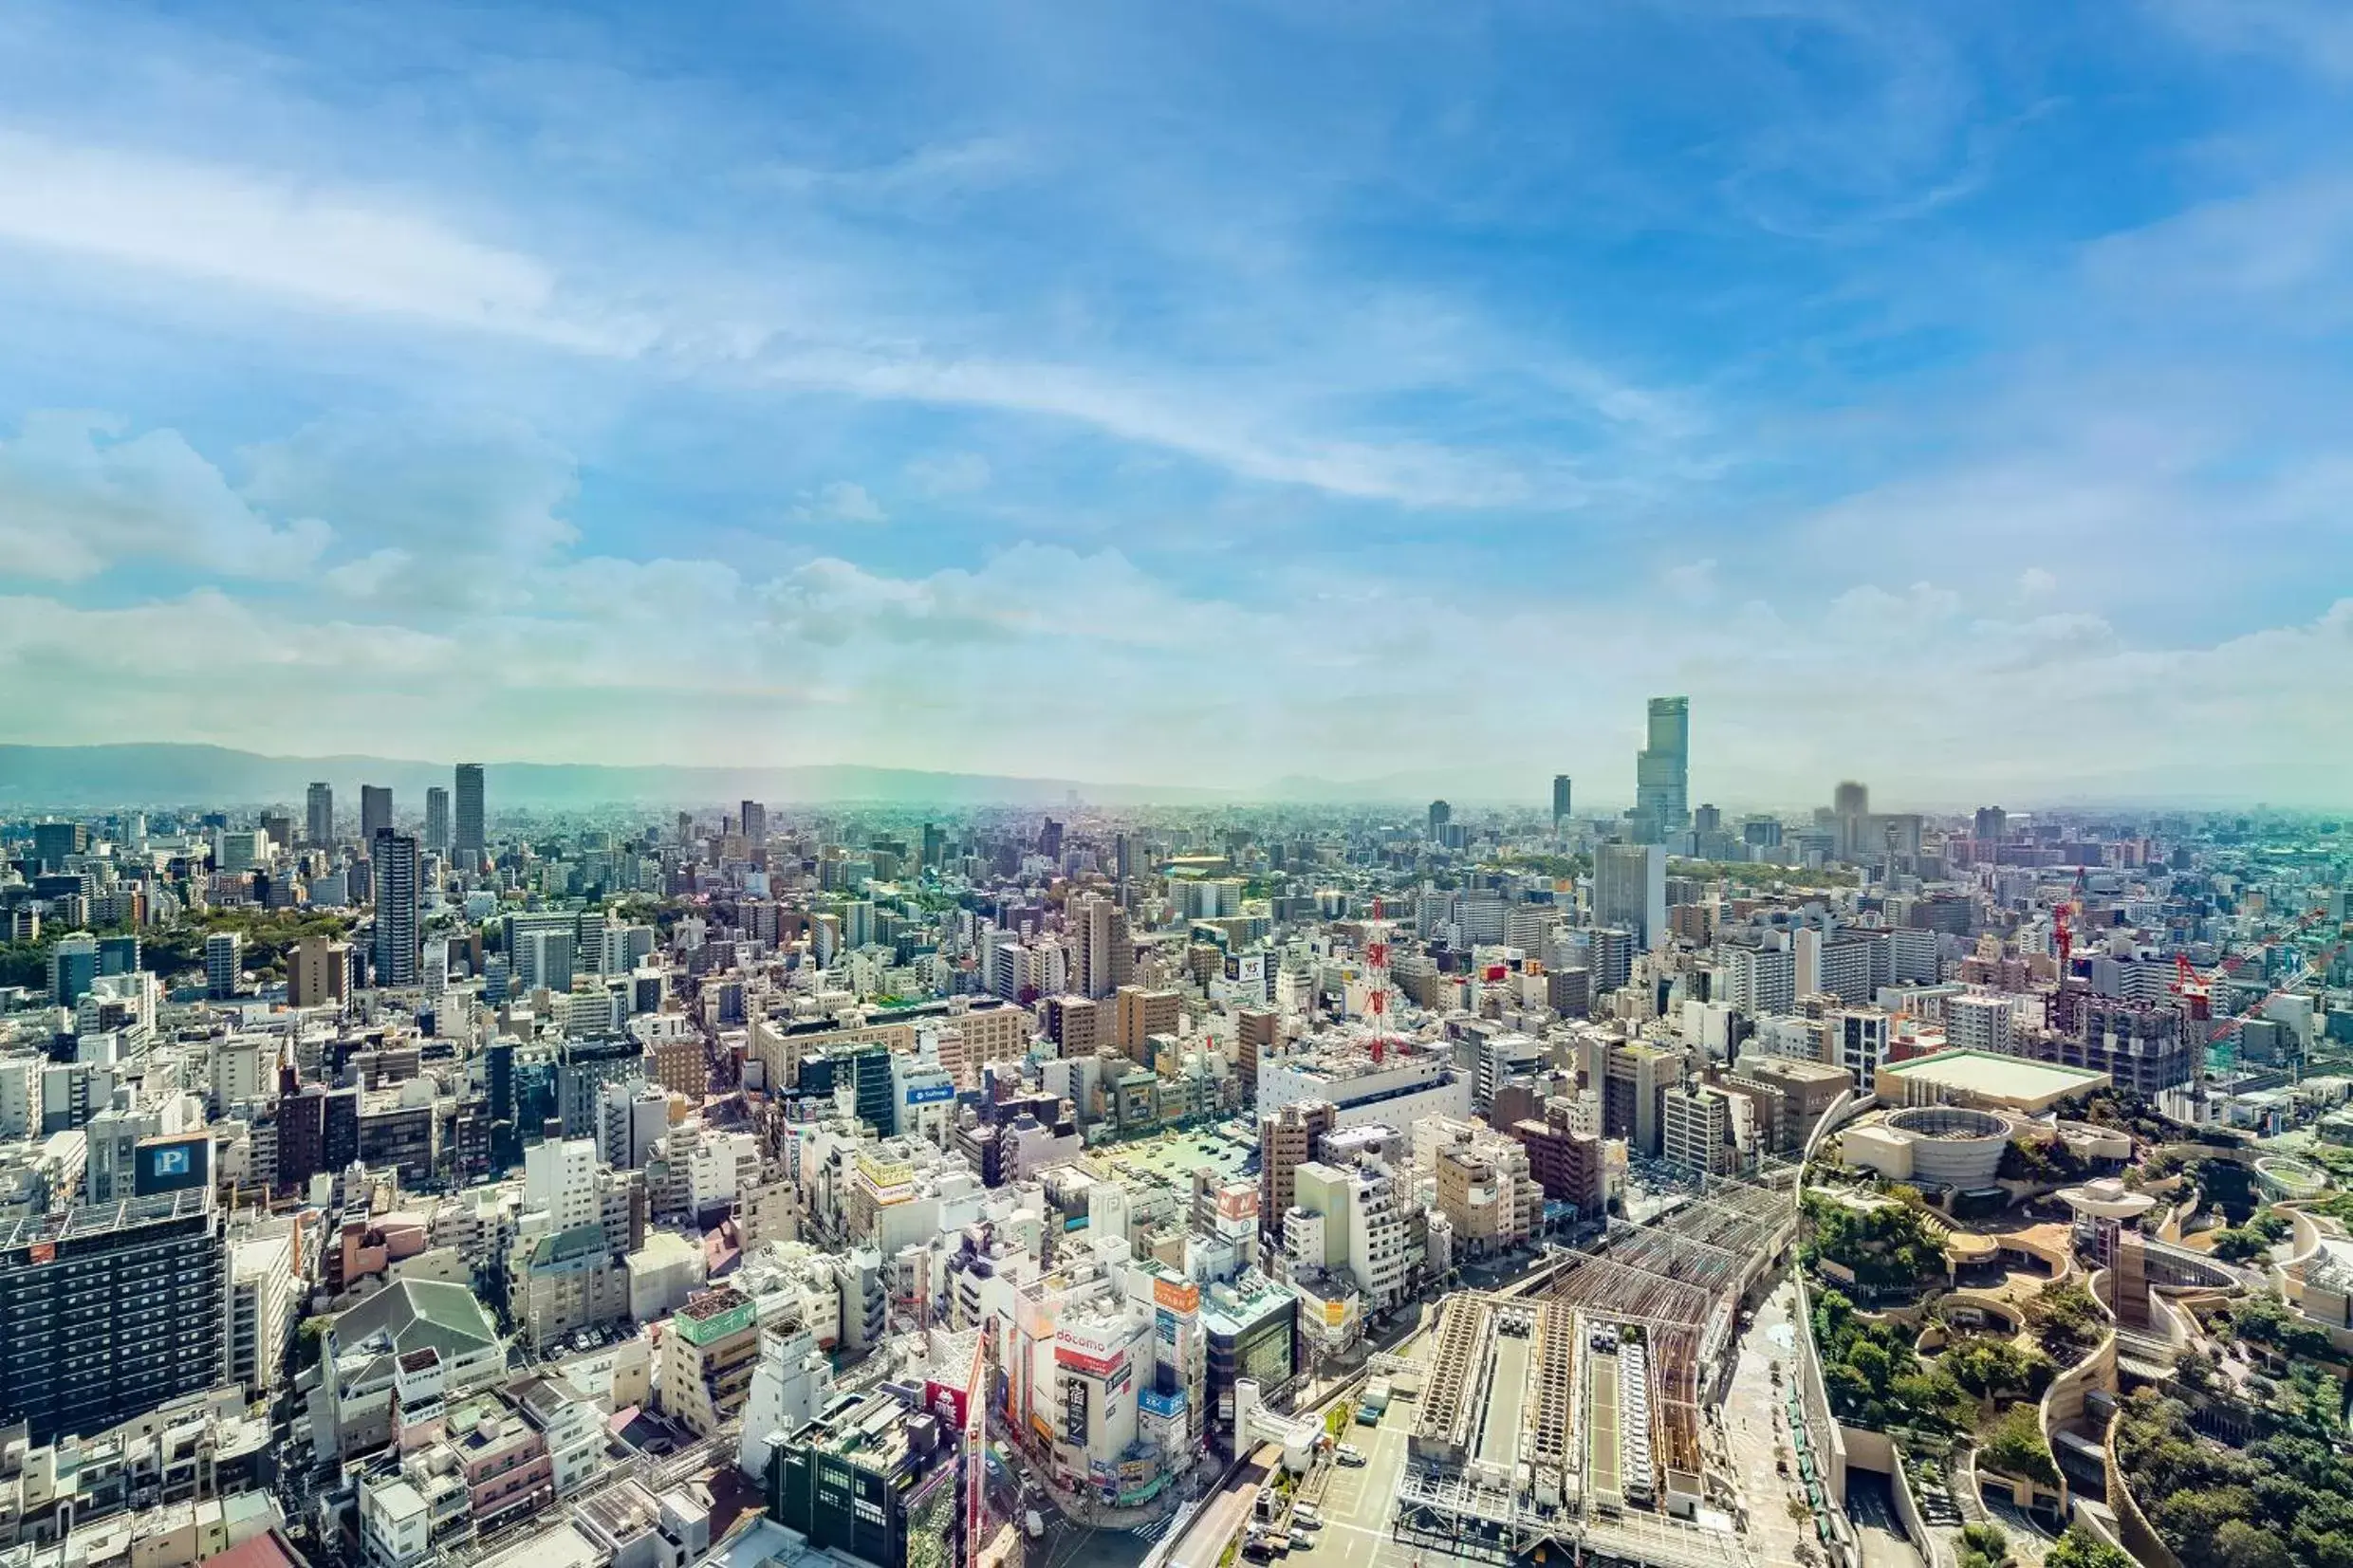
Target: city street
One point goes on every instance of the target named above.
(1221, 1515)
(1357, 1499)
(1871, 1504)
(1756, 1433)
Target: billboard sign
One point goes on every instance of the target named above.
(1177, 1295)
(930, 1093)
(172, 1164)
(948, 1401)
(1079, 1361)
(1167, 1406)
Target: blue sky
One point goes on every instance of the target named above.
(1949, 397)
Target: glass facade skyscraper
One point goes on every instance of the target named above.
(1662, 767)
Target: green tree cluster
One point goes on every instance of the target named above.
(2066, 1323)
(2125, 1111)
(2264, 1319)
(2080, 1548)
(2226, 1187)
(2284, 1501)
(2046, 1161)
(172, 949)
(1875, 1378)
(1994, 1367)
(1984, 1547)
(1886, 1246)
(2240, 1243)
(2013, 1444)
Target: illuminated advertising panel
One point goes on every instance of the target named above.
(1177, 1295)
(172, 1164)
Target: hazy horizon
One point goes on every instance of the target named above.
(1196, 398)
(570, 785)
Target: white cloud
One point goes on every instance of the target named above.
(1691, 580)
(332, 248)
(76, 498)
(2314, 34)
(370, 575)
(839, 501)
(2035, 582)
(950, 473)
(1870, 612)
(829, 326)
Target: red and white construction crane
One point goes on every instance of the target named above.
(976, 1451)
(2063, 919)
(1377, 983)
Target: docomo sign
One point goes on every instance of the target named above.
(1177, 1295)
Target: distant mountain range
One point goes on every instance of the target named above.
(83, 777)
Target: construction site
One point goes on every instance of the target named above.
(1568, 1410)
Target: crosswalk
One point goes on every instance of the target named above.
(1152, 1529)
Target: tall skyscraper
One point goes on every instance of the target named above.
(1559, 799)
(1440, 814)
(1630, 890)
(224, 964)
(438, 819)
(1662, 768)
(54, 843)
(756, 823)
(1850, 809)
(375, 812)
(466, 837)
(321, 813)
(1106, 955)
(394, 859)
(1991, 824)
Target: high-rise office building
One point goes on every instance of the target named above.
(115, 1309)
(1630, 890)
(73, 969)
(318, 973)
(319, 814)
(1106, 954)
(224, 964)
(1991, 825)
(1287, 1140)
(1440, 814)
(438, 819)
(375, 812)
(1662, 767)
(466, 834)
(756, 823)
(1850, 811)
(53, 843)
(394, 856)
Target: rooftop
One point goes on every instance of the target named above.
(1990, 1075)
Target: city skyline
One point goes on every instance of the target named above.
(1937, 399)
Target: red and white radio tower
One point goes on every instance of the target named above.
(1377, 982)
